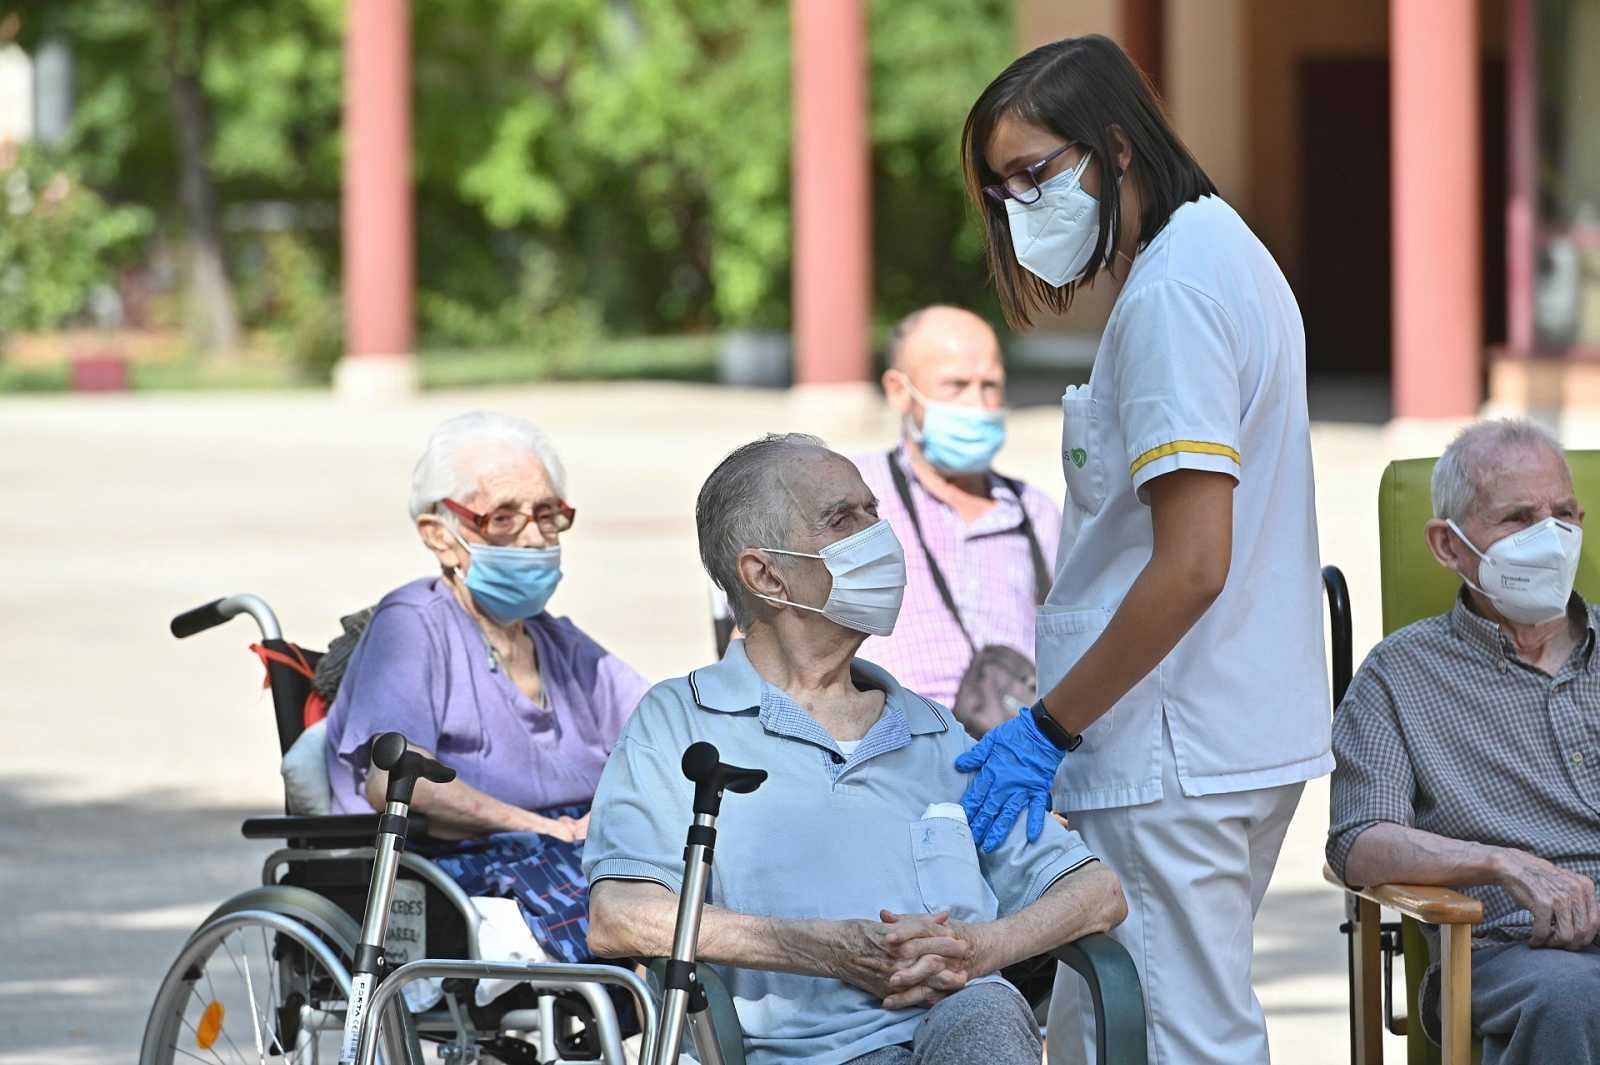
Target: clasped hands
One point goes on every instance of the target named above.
(908, 960)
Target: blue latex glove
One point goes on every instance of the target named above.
(1016, 764)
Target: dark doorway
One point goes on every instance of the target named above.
(1344, 288)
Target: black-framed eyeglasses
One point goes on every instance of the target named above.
(1023, 185)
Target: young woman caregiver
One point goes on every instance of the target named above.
(1180, 654)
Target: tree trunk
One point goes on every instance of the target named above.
(214, 318)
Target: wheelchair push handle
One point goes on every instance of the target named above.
(210, 615)
(702, 764)
(405, 767)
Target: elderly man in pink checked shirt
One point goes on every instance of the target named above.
(980, 547)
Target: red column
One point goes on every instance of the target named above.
(376, 209)
(1143, 37)
(831, 198)
(1522, 115)
(1438, 322)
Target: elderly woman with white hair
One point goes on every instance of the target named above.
(470, 666)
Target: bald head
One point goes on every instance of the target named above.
(947, 355)
(940, 329)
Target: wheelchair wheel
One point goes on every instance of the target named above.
(265, 978)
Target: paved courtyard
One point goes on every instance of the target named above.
(128, 758)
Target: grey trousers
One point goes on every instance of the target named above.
(986, 1022)
(1536, 1006)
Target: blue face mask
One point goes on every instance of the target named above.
(956, 438)
(512, 584)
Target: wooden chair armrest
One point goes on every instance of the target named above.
(1430, 905)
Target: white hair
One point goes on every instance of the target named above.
(1459, 474)
(439, 474)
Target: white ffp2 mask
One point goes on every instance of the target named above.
(1528, 575)
(869, 580)
(1054, 236)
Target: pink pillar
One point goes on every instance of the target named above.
(832, 199)
(376, 210)
(1522, 115)
(1438, 323)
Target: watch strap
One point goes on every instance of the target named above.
(1052, 729)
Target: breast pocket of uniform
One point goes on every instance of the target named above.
(1081, 461)
(948, 874)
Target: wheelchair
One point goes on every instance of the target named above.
(283, 954)
(288, 955)
(1413, 587)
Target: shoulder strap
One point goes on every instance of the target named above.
(1042, 577)
(903, 489)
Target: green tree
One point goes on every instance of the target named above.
(578, 163)
(58, 242)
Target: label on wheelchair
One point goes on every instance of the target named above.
(407, 938)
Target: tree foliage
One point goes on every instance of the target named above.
(616, 164)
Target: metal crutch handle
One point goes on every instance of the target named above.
(405, 767)
(711, 776)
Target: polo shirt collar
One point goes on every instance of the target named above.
(732, 686)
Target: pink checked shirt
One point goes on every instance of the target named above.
(989, 569)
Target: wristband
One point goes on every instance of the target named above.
(1064, 740)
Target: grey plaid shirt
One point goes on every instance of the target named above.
(1444, 729)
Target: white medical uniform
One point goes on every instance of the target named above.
(1187, 785)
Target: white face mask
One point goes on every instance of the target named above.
(1054, 236)
(1528, 575)
(869, 580)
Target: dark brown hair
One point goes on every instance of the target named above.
(1079, 88)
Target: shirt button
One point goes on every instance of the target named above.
(1502, 665)
(1577, 757)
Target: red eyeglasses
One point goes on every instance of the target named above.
(505, 523)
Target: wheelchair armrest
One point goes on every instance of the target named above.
(1430, 905)
(730, 1036)
(1118, 998)
(357, 829)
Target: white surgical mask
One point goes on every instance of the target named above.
(1528, 575)
(869, 580)
(1054, 236)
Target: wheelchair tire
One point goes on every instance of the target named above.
(269, 967)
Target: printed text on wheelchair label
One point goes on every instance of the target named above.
(407, 937)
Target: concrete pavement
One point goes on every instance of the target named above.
(128, 758)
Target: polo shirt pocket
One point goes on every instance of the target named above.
(1082, 463)
(948, 874)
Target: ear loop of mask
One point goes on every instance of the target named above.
(1481, 558)
(785, 602)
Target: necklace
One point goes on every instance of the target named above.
(494, 656)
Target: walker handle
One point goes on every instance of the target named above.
(702, 764)
(405, 766)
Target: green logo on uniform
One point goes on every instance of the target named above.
(1079, 457)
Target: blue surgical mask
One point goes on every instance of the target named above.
(957, 438)
(512, 584)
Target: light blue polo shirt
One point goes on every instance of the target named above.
(827, 836)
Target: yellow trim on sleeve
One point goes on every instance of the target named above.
(1195, 447)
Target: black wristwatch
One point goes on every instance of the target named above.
(1052, 729)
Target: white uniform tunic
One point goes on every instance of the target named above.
(1187, 786)
(1202, 366)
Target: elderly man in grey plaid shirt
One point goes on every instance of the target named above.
(1468, 748)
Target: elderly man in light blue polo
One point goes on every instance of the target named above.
(856, 918)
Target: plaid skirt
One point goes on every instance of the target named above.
(544, 875)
